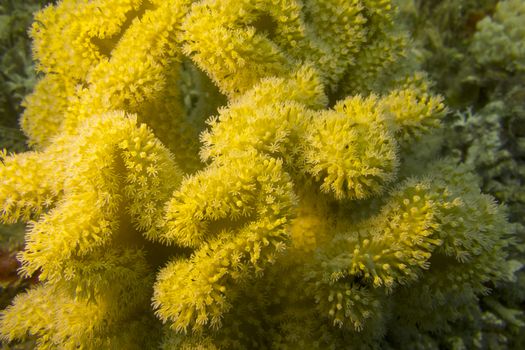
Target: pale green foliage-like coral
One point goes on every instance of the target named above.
(486, 133)
(298, 227)
(499, 39)
(17, 76)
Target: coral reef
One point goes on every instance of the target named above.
(298, 222)
(484, 126)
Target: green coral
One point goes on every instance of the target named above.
(484, 128)
(498, 40)
(16, 67)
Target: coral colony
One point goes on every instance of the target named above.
(241, 174)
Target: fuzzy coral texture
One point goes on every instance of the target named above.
(290, 219)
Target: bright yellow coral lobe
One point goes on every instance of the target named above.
(294, 228)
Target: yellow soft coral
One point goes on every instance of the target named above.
(289, 213)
